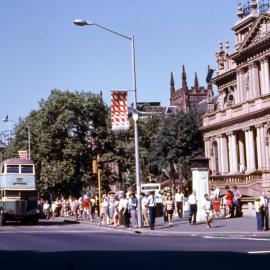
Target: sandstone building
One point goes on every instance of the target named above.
(236, 128)
(188, 99)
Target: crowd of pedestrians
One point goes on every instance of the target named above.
(121, 209)
(118, 209)
(83, 208)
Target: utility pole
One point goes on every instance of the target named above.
(97, 170)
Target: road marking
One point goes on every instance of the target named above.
(259, 252)
(237, 238)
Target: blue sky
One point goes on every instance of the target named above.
(41, 49)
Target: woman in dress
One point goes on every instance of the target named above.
(116, 212)
(169, 207)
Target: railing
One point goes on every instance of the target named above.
(236, 179)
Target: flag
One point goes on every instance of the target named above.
(209, 75)
(23, 154)
(6, 118)
(119, 110)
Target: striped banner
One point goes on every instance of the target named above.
(119, 110)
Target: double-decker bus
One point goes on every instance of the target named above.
(18, 194)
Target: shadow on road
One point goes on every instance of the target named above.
(42, 222)
(97, 260)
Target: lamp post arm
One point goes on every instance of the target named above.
(109, 30)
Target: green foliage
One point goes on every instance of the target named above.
(70, 128)
(61, 134)
(177, 141)
(119, 148)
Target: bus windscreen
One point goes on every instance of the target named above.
(12, 168)
(26, 168)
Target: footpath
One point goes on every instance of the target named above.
(221, 226)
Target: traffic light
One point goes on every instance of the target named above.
(99, 165)
(94, 166)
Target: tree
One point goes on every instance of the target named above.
(119, 148)
(177, 141)
(61, 134)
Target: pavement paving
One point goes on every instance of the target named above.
(243, 225)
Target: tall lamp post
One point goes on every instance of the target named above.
(28, 134)
(2, 143)
(79, 22)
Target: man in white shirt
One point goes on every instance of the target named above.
(264, 200)
(151, 204)
(207, 207)
(192, 201)
(179, 198)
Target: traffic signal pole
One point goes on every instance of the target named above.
(99, 172)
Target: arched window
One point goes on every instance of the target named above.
(267, 142)
(229, 100)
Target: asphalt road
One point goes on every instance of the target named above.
(80, 246)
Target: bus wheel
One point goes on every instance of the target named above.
(2, 219)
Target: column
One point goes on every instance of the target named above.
(259, 146)
(238, 98)
(252, 150)
(255, 80)
(230, 152)
(266, 76)
(267, 152)
(250, 92)
(224, 155)
(206, 148)
(234, 153)
(242, 85)
(264, 151)
(262, 80)
(208, 152)
(220, 156)
(247, 148)
(242, 149)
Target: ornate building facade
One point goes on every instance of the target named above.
(188, 99)
(236, 128)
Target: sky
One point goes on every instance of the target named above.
(41, 49)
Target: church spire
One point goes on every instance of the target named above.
(184, 79)
(172, 82)
(172, 88)
(196, 81)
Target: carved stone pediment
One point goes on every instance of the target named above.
(259, 31)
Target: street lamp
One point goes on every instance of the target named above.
(2, 144)
(79, 22)
(5, 120)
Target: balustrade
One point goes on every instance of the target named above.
(242, 179)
